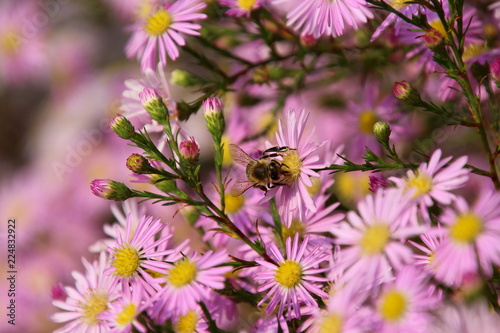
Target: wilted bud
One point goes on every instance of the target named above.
(382, 131)
(434, 40)
(190, 151)
(110, 189)
(183, 78)
(122, 126)
(405, 92)
(154, 105)
(139, 164)
(212, 109)
(495, 71)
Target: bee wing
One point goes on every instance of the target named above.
(239, 156)
(239, 187)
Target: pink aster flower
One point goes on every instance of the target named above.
(136, 253)
(405, 9)
(470, 238)
(122, 315)
(292, 281)
(324, 17)
(91, 296)
(187, 280)
(239, 8)
(300, 161)
(434, 181)
(375, 236)
(405, 304)
(160, 32)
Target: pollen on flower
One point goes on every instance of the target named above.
(95, 305)
(127, 316)
(466, 228)
(158, 22)
(288, 274)
(295, 227)
(292, 165)
(126, 261)
(367, 119)
(438, 25)
(233, 204)
(187, 323)
(246, 4)
(393, 306)
(332, 323)
(421, 183)
(183, 273)
(374, 239)
(474, 50)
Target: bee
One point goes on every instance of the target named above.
(263, 173)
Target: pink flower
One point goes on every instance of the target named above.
(324, 17)
(470, 238)
(291, 281)
(160, 33)
(239, 8)
(375, 236)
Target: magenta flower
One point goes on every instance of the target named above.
(324, 17)
(470, 238)
(375, 236)
(300, 161)
(291, 281)
(91, 296)
(160, 33)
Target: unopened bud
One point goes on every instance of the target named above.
(190, 151)
(212, 109)
(382, 131)
(154, 105)
(110, 189)
(184, 78)
(139, 164)
(495, 71)
(308, 40)
(434, 40)
(405, 92)
(122, 126)
(377, 182)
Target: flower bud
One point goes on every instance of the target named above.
(190, 151)
(139, 164)
(212, 108)
(377, 182)
(405, 92)
(434, 40)
(122, 126)
(382, 131)
(495, 71)
(184, 78)
(110, 189)
(154, 105)
(308, 40)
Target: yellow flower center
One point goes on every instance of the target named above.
(366, 121)
(438, 25)
(375, 239)
(350, 186)
(246, 4)
(296, 227)
(267, 121)
(233, 204)
(393, 306)
(9, 43)
(466, 228)
(183, 273)
(288, 274)
(226, 157)
(187, 323)
(398, 4)
(331, 324)
(474, 50)
(158, 22)
(421, 183)
(126, 261)
(96, 303)
(127, 315)
(292, 165)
